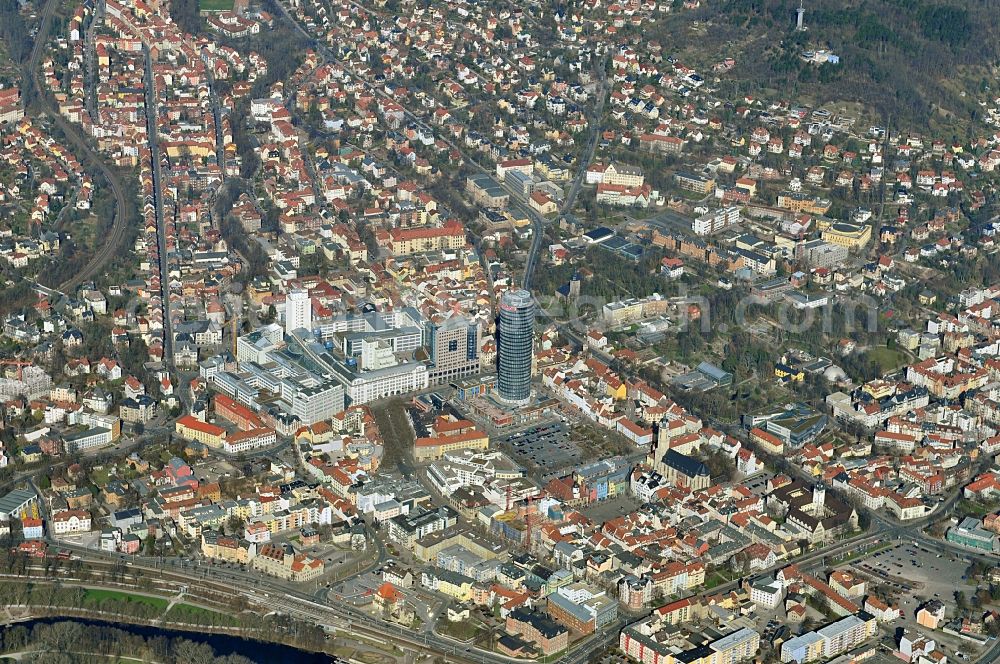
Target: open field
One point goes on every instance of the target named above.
(96, 596)
(887, 359)
(215, 5)
(190, 613)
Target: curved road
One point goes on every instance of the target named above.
(112, 242)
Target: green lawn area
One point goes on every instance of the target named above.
(715, 578)
(215, 5)
(100, 477)
(554, 657)
(98, 595)
(461, 631)
(195, 614)
(347, 651)
(975, 508)
(887, 359)
(353, 655)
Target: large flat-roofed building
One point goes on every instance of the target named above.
(372, 321)
(320, 374)
(365, 386)
(794, 426)
(693, 182)
(522, 183)
(408, 528)
(830, 641)
(819, 253)
(240, 387)
(486, 191)
(316, 403)
(15, 502)
(598, 235)
(657, 640)
(397, 339)
(582, 608)
(622, 311)
(771, 290)
(715, 374)
(88, 439)
(716, 220)
(971, 533)
(253, 347)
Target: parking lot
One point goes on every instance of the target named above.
(358, 590)
(611, 508)
(548, 447)
(920, 573)
(214, 470)
(909, 575)
(757, 483)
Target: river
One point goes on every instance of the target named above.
(223, 644)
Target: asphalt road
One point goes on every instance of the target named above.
(161, 240)
(111, 245)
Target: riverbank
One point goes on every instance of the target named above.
(22, 601)
(223, 644)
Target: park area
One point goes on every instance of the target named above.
(215, 5)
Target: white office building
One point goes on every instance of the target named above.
(716, 220)
(317, 403)
(366, 386)
(298, 311)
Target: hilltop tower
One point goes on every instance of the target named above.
(800, 19)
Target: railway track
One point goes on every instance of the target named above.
(110, 245)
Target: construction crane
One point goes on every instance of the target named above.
(20, 364)
(530, 514)
(234, 335)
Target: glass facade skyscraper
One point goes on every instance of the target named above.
(515, 343)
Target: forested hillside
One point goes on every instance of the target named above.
(910, 58)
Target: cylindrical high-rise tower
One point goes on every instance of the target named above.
(515, 343)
